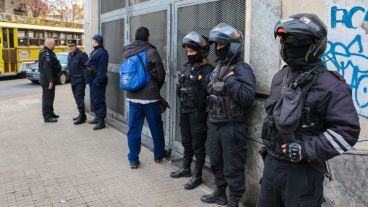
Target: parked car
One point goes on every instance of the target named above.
(33, 73)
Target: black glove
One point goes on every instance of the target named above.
(294, 152)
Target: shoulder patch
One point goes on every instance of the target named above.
(48, 56)
(337, 75)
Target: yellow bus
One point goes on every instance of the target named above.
(20, 43)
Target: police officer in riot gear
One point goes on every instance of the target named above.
(310, 117)
(231, 91)
(76, 66)
(50, 68)
(192, 92)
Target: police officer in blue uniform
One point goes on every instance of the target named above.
(96, 77)
(76, 61)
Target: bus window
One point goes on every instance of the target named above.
(33, 38)
(5, 36)
(55, 37)
(11, 38)
(31, 34)
(69, 36)
(42, 38)
(78, 37)
(22, 38)
(81, 41)
(62, 40)
(47, 34)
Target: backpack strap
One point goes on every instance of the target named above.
(142, 63)
(92, 54)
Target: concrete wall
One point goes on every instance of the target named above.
(262, 53)
(91, 27)
(347, 23)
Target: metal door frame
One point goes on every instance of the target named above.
(143, 9)
(177, 146)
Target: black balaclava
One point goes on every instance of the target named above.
(295, 50)
(296, 56)
(222, 53)
(194, 59)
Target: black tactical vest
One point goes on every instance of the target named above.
(192, 96)
(221, 107)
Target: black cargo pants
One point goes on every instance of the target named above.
(290, 185)
(228, 149)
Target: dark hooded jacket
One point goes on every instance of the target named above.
(329, 125)
(155, 67)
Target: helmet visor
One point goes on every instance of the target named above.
(225, 34)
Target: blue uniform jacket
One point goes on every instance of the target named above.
(100, 59)
(76, 65)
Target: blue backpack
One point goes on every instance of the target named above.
(133, 72)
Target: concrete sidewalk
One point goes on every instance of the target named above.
(65, 165)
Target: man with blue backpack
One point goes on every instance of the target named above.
(95, 75)
(142, 75)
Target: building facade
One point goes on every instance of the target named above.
(168, 22)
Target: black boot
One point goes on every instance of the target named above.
(233, 201)
(218, 197)
(196, 180)
(184, 171)
(100, 124)
(82, 118)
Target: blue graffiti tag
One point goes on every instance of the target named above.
(351, 61)
(346, 16)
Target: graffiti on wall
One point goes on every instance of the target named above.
(348, 46)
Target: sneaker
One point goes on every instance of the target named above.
(165, 155)
(134, 165)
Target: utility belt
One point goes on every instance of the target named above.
(222, 108)
(309, 121)
(92, 70)
(269, 134)
(322, 167)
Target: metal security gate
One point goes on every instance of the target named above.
(200, 16)
(168, 22)
(158, 25)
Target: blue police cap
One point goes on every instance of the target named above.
(98, 37)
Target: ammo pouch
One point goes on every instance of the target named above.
(221, 106)
(187, 98)
(92, 70)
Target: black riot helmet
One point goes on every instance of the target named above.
(229, 36)
(302, 30)
(198, 43)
